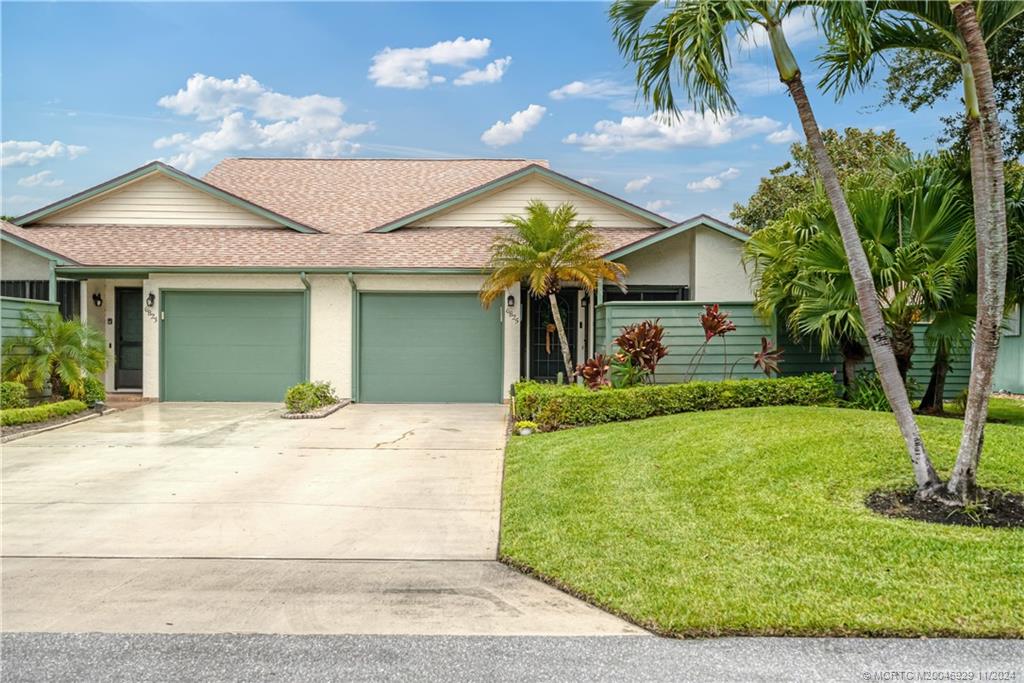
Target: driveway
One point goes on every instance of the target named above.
(225, 518)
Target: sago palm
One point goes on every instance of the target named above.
(957, 30)
(546, 248)
(61, 352)
(689, 44)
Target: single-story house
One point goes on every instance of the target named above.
(361, 272)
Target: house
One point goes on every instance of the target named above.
(361, 272)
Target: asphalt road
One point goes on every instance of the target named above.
(142, 657)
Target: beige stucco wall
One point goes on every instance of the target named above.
(718, 273)
(20, 264)
(667, 262)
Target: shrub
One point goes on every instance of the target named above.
(308, 396)
(61, 352)
(13, 395)
(641, 343)
(94, 391)
(595, 371)
(553, 406)
(866, 392)
(530, 425)
(39, 413)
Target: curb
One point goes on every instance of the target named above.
(21, 435)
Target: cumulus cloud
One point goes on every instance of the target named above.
(246, 116)
(799, 28)
(491, 73)
(713, 182)
(596, 89)
(409, 67)
(657, 133)
(637, 184)
(33, 152)
(658, 205)
(41, 179)
(784, 136)
(507, 132)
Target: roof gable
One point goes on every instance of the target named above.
(158, 194)
(698, 221)
(639, 216)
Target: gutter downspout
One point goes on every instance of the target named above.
(306, 303)
(355, 336)
(53, 281)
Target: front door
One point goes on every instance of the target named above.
(128, 344)
(545, 348)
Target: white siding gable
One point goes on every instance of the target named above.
(157, 200)
(488, 210)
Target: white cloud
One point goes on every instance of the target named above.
(597, 89)
(637, 184)
(32, 152)
(658, 205)
(799, 28)
(41, 179)
(491, 73)
(507, 132)
(253, 118)
(658, 133)
(784, 136)
(409, 67)
(713, 182)
(588, 180)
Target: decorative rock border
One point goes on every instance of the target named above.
(319, 412)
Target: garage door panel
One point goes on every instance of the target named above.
(428, 348)
(232, 346)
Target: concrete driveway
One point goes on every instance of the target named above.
(212, 518)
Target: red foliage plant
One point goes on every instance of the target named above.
(715, 323)
(641, 342)
(594, 371)
(768, 358)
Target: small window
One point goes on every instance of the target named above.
(68, 292)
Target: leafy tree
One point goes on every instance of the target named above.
(859, 157)
(687, 44)
(545, 249)
(61, 352)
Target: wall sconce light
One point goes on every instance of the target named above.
(97, 299)
(510, 308)
(150, 300)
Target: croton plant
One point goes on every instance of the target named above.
(641, 343)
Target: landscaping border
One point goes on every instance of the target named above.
(319, 412)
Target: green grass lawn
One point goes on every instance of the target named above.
(1008, 410)
(751, 521)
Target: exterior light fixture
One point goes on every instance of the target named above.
(97, 299)
(150, 300)
(510, 308)
(510, 302)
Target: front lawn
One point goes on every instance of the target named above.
(751, 521)
(1000, 409)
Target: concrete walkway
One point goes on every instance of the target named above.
(207, 518)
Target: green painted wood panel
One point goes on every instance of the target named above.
(1009, 375)
(428, 348)
(684, 335)
(11, 325)
(231, 346)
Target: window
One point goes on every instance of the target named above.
(647, 293)
(67, 293)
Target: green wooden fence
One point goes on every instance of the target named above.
(11, 325)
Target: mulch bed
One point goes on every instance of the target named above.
(994, 508)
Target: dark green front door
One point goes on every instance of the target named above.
(428, 348)
(231, 346)
(128, 338)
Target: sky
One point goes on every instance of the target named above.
(91, 91)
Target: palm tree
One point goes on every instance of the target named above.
(545, 249)
(958, 31)
(691, 43)
(61, 352)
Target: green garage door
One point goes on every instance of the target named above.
(231, 346)
(428, 348)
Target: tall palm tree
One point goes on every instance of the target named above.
(61, 352)
(958, 31)
(546, 248)
(691, 43)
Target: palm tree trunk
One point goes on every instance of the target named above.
(853, 353)
(903, 349)
(867, 298)
(563, 340)
(933, 399)
(990, 229)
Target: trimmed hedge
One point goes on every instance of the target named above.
(40, 413)
(553, 406)
(13, 395)
(94, 392)
(309, 396)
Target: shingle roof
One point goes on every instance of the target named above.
(355, 195)
(108, 245)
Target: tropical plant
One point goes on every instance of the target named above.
(625, 373)
(690, 43)
(13, 395)
(715, 323)
(93, 391)
(767, 360)
(545, 248)
(595, 371)
(55, 351)
(957, 30)
(641, 342)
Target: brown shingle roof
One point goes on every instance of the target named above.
(347, 196)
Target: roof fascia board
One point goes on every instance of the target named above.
(533, 169)
(689, 224)
(126, 271)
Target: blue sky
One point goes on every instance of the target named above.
(90, 91)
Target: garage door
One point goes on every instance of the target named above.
(231, 346)
(428, 348)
